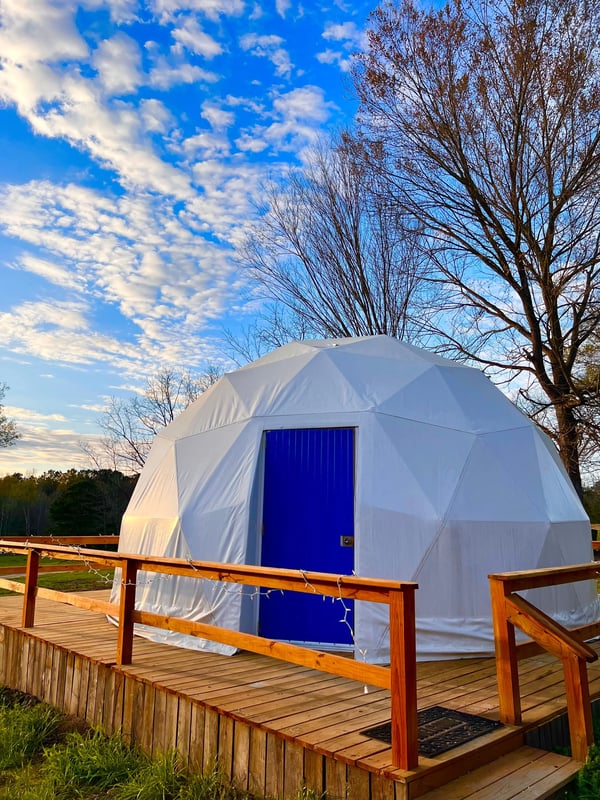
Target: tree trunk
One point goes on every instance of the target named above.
(568, 445)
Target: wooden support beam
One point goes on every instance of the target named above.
(80, 601)
(370, 674)
(31, 576)
(129, 571)
(403, 679)
(553, 636)
(579, 708)
(507, 669)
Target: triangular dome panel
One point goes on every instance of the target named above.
(490, 488)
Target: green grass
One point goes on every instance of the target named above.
(77, 581)
(89, 763)
(71, 581)
(26, 727)
(45, 755)
(18, 560)
(587, 784)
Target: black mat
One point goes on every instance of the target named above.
(440, 729)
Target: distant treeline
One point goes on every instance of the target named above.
(591, 501)
(77, 503)
(91, 502)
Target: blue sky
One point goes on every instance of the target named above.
(133, 141)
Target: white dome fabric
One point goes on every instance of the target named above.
(452, 483)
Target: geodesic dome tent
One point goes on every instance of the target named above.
(364, 455)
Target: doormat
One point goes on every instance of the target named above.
(440, 729)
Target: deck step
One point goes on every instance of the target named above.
(525, 774)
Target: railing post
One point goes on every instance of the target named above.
(507, 670)
(403, 679)
(579, 708)
(29, 596)
(126, 606)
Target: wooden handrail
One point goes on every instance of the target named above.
(399, 677)
(510, 610)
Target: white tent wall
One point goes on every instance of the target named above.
(452, 482)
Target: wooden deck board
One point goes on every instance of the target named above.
(247, 707)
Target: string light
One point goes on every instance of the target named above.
(233, 589)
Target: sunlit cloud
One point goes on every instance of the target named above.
(41, 449)
(51, 271)
(27, 415)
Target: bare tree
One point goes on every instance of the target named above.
(335, 257)
(8, 429)
(484, 120)
(130, 425)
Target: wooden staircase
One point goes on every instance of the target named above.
(527, 773)
(496, 766)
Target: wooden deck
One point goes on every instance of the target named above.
(275, 726)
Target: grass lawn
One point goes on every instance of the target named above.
(45, 755)
(18, 560)
(72, 581)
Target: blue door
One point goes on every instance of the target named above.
(308, 524)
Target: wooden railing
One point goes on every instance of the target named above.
(399, 678)
(73, 541)
(510, 610)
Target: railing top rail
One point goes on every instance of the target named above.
(547, 576)
(351, 586)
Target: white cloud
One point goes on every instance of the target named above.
(269, 46)
(155, 115)
(121, 11)
(54, 273)
(43, 62)
(134, 254)
(206, 145)
(190, 35)
(251, 143)
(283, 6)
(305, 103)
(298, 118)
(40, 31)
(118, 61)
(41, 449)
(97, 408)
(351, 39)
(343, 61)
(212, 9)
(28, 415)
(217, 116)
(164, 75)
(346, 32)
(139, 272)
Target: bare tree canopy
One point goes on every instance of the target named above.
(335, 257)
(484, 120)
(130, 425)
(8, 429)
